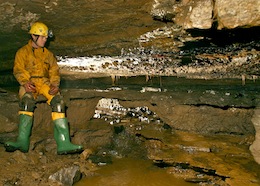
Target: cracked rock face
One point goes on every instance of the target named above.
(132, 30)
(97, 27)
(203, 14)
(115, 25)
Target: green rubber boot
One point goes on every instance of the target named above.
(62, 137)
(23, 140)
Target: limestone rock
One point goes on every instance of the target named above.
(67, 176)
(203, 13)
(200, 16)
(255, 147)
(237, 13)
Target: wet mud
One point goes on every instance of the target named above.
(193, 125)
(198, 131)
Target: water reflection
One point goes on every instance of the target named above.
(132, 172)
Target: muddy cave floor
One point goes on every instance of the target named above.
(211, 161)
(199, 137)
(205, 158)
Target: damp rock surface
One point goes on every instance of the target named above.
(199, 132)
(173, 38)
(179, 130)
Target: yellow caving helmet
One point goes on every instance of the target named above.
(40, 29)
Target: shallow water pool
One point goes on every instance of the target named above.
(132, 172)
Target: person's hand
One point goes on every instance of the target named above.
(29, 87)
(53, 90)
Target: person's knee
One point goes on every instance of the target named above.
(58, 104)
(27, 103)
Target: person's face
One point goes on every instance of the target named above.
(40, 42)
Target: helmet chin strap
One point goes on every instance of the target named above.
(35, 41)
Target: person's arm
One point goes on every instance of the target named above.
(19, 71)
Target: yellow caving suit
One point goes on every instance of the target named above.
(40, 67)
